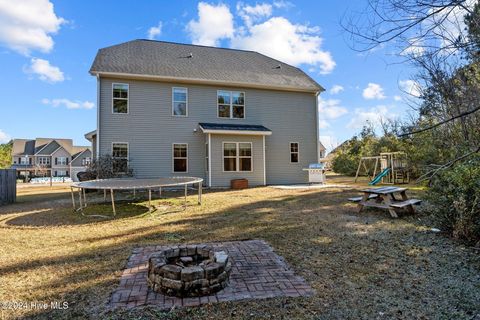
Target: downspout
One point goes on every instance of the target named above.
(264, 164)
(209, 160)
(317, 116)
(97, 141)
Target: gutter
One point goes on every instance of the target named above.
(203, 81)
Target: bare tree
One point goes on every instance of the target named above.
(441, 39)
(416, 26)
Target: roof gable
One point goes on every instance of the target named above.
(48, 149)
(186, 62)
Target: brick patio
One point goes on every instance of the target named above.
(257, 273)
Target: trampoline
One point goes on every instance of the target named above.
(134, 185)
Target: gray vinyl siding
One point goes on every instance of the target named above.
(220, 178)
(150, 129)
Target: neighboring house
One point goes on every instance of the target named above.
(322, 151)
(45, 157)
(174, 109)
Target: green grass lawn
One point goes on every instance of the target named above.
(361, 265)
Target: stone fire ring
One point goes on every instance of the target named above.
(188, 271)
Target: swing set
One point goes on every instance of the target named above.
(393, 168)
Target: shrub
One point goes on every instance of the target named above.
(105, 167)
(455, 196)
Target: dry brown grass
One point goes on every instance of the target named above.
(361, 265)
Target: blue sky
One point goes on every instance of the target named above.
(47, 47)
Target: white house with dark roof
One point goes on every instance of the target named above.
(174, 109)
(45, 157)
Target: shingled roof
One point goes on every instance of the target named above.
(43, 146)
(200, 64)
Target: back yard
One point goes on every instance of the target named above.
(361, 265)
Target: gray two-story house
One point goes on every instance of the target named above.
(49, 157)
(174, 109)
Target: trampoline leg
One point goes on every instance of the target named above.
(104, 195)
(160, 192)
(84, 198)
(73, 198)
(80, 198)
(199, 193)
(113, 202)
(185, 204)
(134, 193)
(149, 199)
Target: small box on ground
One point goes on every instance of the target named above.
(237, 184)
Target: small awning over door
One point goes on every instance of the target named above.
(241, 129)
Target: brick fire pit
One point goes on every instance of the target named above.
(188, 271)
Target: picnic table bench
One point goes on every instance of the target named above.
(384, 198)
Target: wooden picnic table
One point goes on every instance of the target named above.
(384, 198)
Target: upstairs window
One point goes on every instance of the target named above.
(43, 161)
(179, 102)
(120, 98)
(61, 161)
(231, 104)
(180, 157)
(294, 152)
(86, 161)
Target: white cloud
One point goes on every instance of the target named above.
(27, 25)
(373, 91)
(154, 32)
(294, 44)
(44, 70)
(215, 22)
(330, 108)
(251, 14)
(336, 89)
(372, 116)
(69, 104)
(415, 48)
(276, 37)
(410, 87)
(4, 138)
(323, 124)
(397, 98)
(282, 4)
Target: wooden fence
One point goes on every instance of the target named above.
(8, 186)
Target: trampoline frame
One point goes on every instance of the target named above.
(148, 184)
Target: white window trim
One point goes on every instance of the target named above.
(207, 156)
(290, 152)
(231, 106)
(173, 157)
(237, 157)
(128, 97)
(173, 102)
